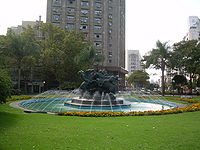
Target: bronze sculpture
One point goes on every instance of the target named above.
(100, 82)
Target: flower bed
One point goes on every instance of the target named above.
(23, 98)
(18, 98)
(190, 108)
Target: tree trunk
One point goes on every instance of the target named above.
(25, 86)
(31, 80)
(163, 83)
(190, 83)
(19, 78)
(163, 78)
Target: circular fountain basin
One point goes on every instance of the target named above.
(104, 104)
(65, 104)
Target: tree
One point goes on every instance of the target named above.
(53, 63)
(188, 54)
(80, 55)
(179, 80)
(88, 56)
(5, 61)
(152, 86)
(53, 36)
(63, 55)
(5, 86)
(20, 46)
(28, 64)
(158, 58)
(139, 79)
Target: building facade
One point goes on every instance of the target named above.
(33, 24)
(133, 61)
(102, 23)
(194, 28)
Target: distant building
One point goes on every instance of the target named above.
(33, 24)
(133, 61)
(194, 29)
(102, 23)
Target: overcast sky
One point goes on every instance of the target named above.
(146, 20)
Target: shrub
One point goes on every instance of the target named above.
(190, 108)
(5, 86)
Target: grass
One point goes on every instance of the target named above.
(19, 131)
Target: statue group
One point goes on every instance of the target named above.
(97, 83)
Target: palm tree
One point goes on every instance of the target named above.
(157, 58)
(20, 46)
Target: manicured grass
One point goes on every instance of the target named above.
(19, 131)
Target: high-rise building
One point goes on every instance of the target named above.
(102, 23)
(194, 29)
(133, 61)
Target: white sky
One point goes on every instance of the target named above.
(146, 20)
(150, 20)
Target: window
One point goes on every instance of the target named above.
(97, 27)
(110, 24)
(98, 36)
(71, 1)
(98, 12)
(70, 26)
(56, 17)
(70, 10)
(84, 11)
(98, 5)
(84, 19)
(110, 16)
(70, 17)
(97, 44)
(110, 31)
(110, 37)
(110, 8)
(56, 9)
(57, 2)
(56, 23)
(84, 3)
(97, 20)
(83, 27)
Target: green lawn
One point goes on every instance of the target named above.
(19, 131)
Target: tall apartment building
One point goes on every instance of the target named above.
(101, 21)
(194, 29)
(133, 61)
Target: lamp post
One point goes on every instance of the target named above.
(44, 85)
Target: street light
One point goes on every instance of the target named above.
(44, 85)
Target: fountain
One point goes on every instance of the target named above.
(97, 93)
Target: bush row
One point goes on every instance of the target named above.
(18, 98)
(190, 108)
(23, 98)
